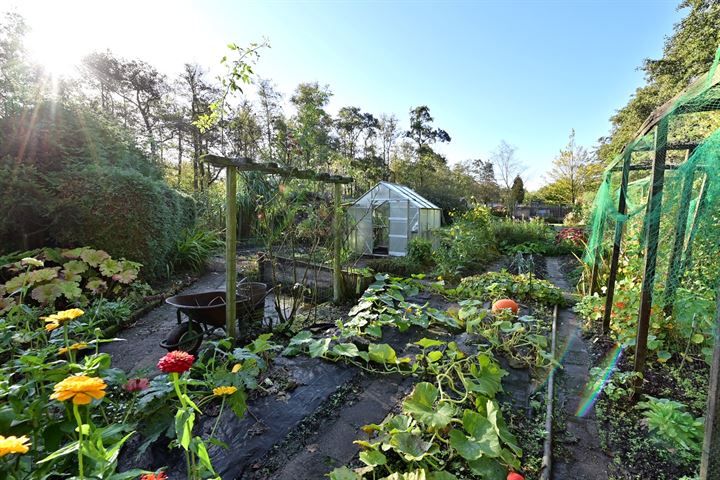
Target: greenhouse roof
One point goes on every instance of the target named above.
(401, 190)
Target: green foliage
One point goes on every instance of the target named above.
(123, 212)
(420, 251)
(396, 266)
(492, 286)
(673, 424)
(533, 236)
(194, 248)
(56, 278)
(467, 244)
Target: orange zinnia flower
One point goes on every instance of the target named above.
(80, 388)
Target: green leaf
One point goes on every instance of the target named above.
(663, 356)
(482, 430)
(46, 294)
(346, 350)
(184, 422)
(75, 266)
(698, 338)
(421, 406)
(381, 353)
(344, 473)
(434, 356)
(70, 290)
(318, 348)
(441, 476)
(427, 342)
(372, 458)
(411, 446)
(93, 257)
(202, 454)
(488, 469)
(468, 448)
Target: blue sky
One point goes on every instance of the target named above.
(521, 71)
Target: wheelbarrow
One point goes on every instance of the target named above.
(206, 313)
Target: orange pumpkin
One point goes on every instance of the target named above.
(504, 304)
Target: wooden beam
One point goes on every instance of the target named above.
(271, 168)
(617, 242)
(652, 218)
(710, 454)
(644, 166)
(337, 268)
(673, 274)
(231, 223)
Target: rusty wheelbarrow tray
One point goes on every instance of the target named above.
(206, 312)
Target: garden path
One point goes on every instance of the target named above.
(577, 453)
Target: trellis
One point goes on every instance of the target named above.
(697, 193)
(232, 166)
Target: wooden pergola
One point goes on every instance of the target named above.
(232, 166)
(703, 95)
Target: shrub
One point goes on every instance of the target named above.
(398, 266)
(467, 244)
(533, 236)
(420, 251)
(194, 248)
(123, 212)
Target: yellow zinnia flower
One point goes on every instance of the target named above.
(32, 261)
(74, 346)
(13, 444)
(236, 368)
(56, 319)
(81, 388)
(220, 391)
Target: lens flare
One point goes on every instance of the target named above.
(596, 386)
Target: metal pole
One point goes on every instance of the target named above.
(337, 269)
(652, 220)
(617, 241)
(674, 273)
(710, 455)
(231, 224)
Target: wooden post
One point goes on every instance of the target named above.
(597, 259)
(617, 241)
(710, 455)
(652, 219)
(337, 268)
(231, 226)
(673, 273)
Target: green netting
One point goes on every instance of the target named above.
(675, 239)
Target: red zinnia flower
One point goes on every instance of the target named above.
(137, 384)
(176, 361)
(154, 476)
(620, 305)
(515, 476)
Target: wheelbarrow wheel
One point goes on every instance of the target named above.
(187, 336)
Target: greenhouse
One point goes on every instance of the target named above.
(388, 216)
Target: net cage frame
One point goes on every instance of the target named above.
(675, 204)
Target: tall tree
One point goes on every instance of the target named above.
(688, 53)
(571, 170)
(517, 191)
(312, 123)
(270, 111)
(389, 134)
(421, 130)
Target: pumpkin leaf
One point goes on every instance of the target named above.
(488, 469)
(372, 458)
(421, 406)
(412, 447)
(381, 353)
(346, 350)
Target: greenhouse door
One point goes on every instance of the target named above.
(381, 229)
(399, 212)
